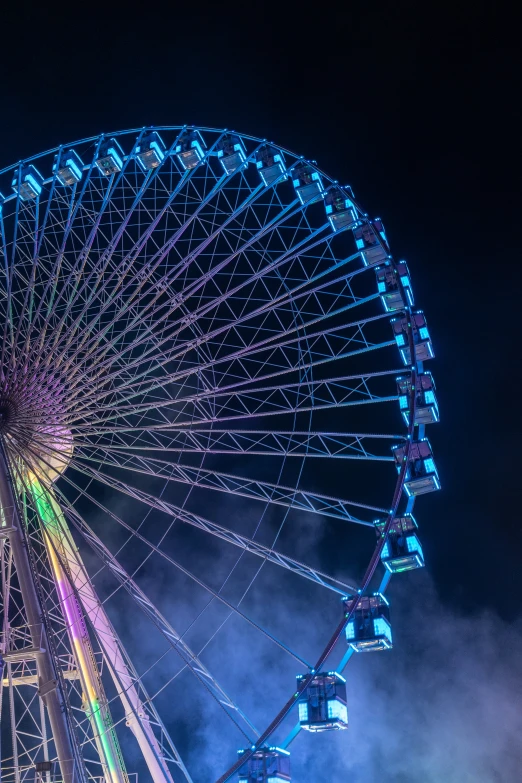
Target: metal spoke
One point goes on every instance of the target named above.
(192, 327)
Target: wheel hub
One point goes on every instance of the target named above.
(7, 413)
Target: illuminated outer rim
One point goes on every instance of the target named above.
(372, 566)
(399, 487)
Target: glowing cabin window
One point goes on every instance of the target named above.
(385, 550)
(413, 544)
(37, 188)
(350, 630)
(403, 401)
(116, 158)
(74, 168)
(405, 281)
(381, 628)
(336, 710)
(429, 465)
(382, 286)
(424, 333)
(429, 397)
(303, 712)
(400, 339)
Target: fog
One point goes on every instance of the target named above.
(442, 706)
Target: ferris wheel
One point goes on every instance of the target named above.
(205, 341)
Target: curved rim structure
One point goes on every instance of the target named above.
(193, 329)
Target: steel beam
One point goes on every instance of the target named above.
(48, 683)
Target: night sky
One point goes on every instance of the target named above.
(419, 114)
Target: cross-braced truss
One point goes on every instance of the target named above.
(189, 353)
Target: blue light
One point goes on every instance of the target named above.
(154, 145)
(429, 397)
(414, 545)
(34, 184)
(28, 184)
(381, 286)
(350, 630)
(74, 168)
(337, 710)
(429, 465)
(405, 281)
(303, 712)
(385, 550)
(116, 158)
(423, 331)
(381, 628)
(399, 338)
(403, 401)
(329, 209)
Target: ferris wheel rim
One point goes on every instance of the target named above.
(411, 425)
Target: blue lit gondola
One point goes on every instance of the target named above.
(369, 627)
(231, 153)
(394, 286)
(27, 182)
(270, 163)
(266, 765)
(402, 550)
(307, 183)
(426, 407)
(190, 149)
(340, 210)
(421, 337)
(110, 157)
(151, 151)
(68, 167)
(421, 473)
(322, 705)
(368, 240)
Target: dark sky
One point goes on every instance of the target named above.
(418, 111)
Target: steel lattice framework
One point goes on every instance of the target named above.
(184, 342)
